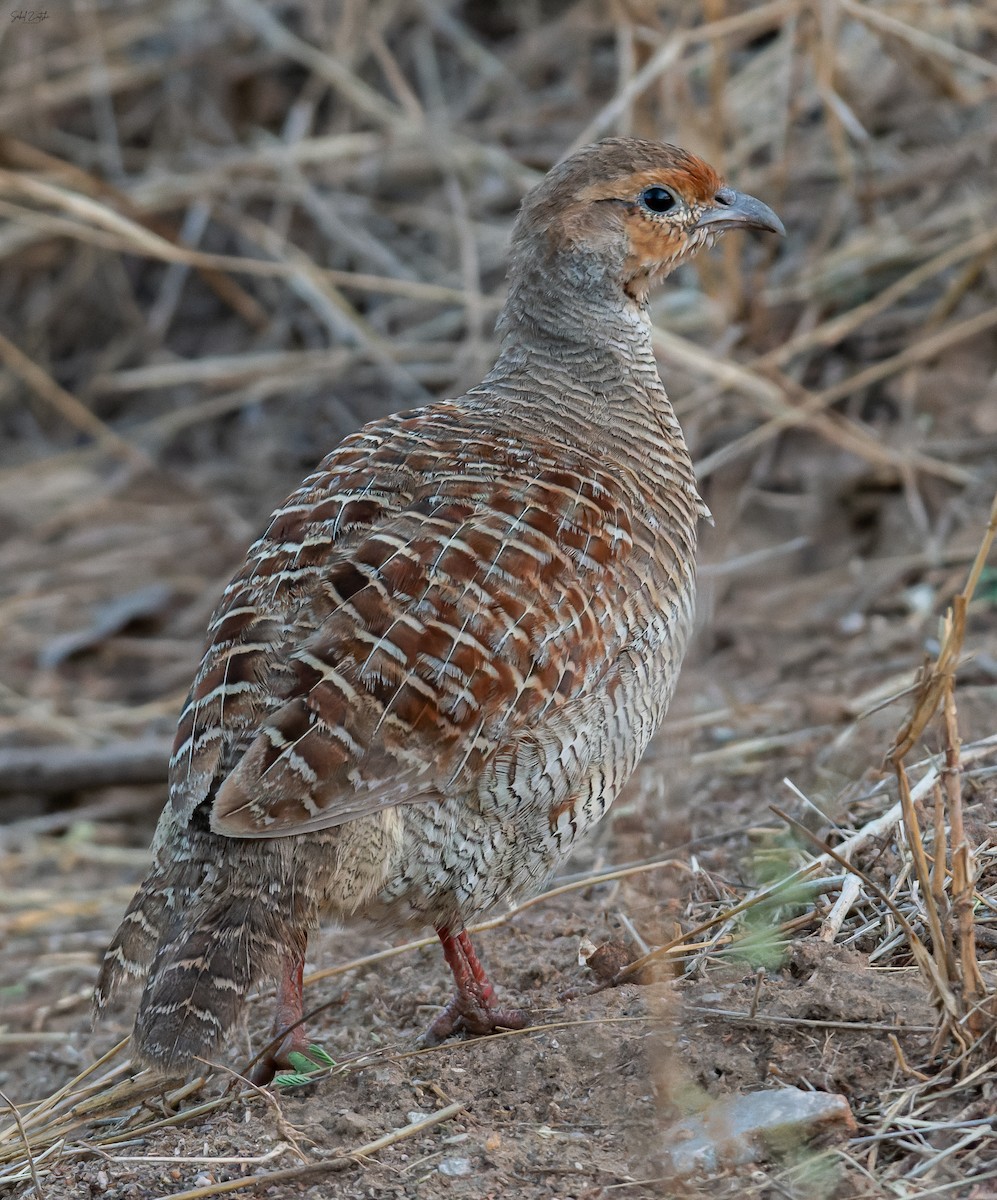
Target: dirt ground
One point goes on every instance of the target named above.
(838, 395)
(577, 1107)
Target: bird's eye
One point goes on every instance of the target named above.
(657, 199)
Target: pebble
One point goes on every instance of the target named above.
(455, 1166)
(743, 1129)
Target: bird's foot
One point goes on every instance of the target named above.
(292, 1062)
(473, 1008)
(283, 1054)
(290, 1059)
(470, 1014)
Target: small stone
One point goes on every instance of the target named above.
(760, 1125)
(455, 1166)
(347, 1123)
(920, 599)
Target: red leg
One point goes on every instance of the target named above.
(477, 970)
(290, 1009)
(473, 1008)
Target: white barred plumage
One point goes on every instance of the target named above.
(447, 653)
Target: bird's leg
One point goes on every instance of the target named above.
(290, 1009)
(473, 1008)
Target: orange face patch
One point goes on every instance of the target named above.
(651, 243)
(654, 243)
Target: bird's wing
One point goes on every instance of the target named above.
(409, 609)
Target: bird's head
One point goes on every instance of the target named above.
(624, 212)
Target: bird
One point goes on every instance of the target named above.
(446, 654)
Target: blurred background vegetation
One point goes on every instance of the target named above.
(351, 169)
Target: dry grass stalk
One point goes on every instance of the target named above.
(313, 1170)
(950, 914)
(26, 1141)
(66, 405)
(974, 989)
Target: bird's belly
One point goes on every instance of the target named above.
(463, 854)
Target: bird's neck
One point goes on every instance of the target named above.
(576, 319)
(578, 363)
(576, 329)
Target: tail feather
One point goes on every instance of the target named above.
(133, 946)
(202, 972)
(213, 918)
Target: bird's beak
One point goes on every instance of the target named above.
(735, 210)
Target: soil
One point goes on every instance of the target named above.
(576, 1106)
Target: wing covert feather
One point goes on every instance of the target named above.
(399, 622)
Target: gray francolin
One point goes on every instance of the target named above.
(445, 656)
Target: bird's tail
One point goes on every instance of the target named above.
(204, 945)
(132, 947)
(203, 969)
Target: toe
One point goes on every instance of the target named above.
(470, 1014)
